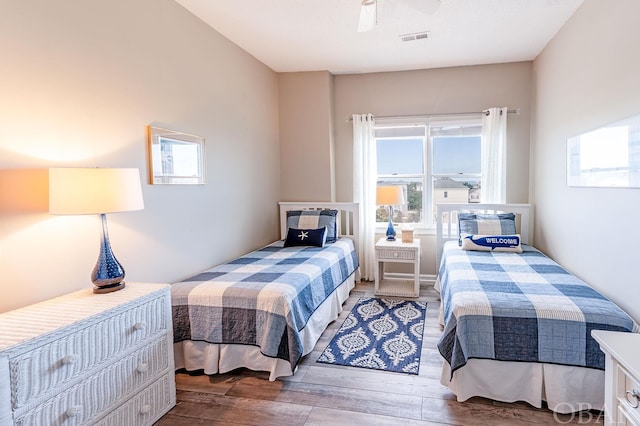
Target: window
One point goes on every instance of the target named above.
(433, 161)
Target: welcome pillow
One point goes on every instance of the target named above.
(486, 224)
(506, 243)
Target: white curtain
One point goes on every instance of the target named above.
(364, 189)
(493, 186)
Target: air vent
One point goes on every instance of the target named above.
(415, 36)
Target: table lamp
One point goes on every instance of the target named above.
(97, 191)
(389, 195)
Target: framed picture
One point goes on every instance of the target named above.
(175, 157)
(606, 157)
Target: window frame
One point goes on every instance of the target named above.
(427, 177)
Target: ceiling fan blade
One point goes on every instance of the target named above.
(368, 15)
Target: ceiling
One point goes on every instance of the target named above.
(317, 35)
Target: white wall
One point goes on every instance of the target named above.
(79, 82)
(587, 77)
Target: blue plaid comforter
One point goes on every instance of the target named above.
(520, 307)
(264, 298)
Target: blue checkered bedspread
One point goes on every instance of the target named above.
(264, 298)
(520, 307)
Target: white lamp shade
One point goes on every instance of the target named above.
(94, 190)
(389, 195)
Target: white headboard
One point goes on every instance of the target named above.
(447, 221)
(348, 218)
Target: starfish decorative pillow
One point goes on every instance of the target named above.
(306, 237)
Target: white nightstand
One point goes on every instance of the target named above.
(622, 376)
(397, 252)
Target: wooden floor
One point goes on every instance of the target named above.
(322, 394)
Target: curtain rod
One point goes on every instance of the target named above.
(509, 111)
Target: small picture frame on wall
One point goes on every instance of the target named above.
(175, 157)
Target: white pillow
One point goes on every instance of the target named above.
(508, 243)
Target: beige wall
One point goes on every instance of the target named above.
(80, 80)
(306, 136)
(587, 76)
(437, 91)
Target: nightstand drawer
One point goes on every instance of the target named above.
(629, 395)
(622, 376)
(624, 419)
(398, 254)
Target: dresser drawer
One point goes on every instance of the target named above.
(629, 396)
(396, 254)
(624, 419)
(146, 407)
(115, 384)
(51, 365)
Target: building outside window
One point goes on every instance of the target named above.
(434, 161)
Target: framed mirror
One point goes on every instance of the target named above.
(175, 158)
(606, 157)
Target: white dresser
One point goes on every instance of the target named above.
(87, 358)
(622, 376)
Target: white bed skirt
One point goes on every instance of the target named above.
(566, 389)
(221, 358)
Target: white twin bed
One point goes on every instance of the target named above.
(516, 325)
(267, 309)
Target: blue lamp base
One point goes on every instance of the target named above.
(391, 233)
(108, 274)
(108, 288)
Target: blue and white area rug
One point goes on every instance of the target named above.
(380, 334)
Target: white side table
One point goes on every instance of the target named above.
(397, 252)
(622, 376)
